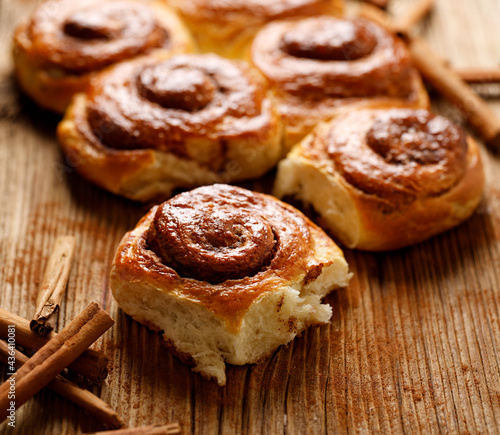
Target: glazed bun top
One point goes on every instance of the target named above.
(88, 35)
(224, 247)
(398, 154)
(158, 103)
(333, 57)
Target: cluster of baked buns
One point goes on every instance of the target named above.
(170, 96)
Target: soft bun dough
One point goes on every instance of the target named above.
(227, 275)
(66, 43)
(155, 124)
(385, 179)
(227, 27)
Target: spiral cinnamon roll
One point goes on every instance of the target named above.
(227, 275)
(148, 126)
(66, 42)
(226, 27)
(385, 179)
(320, 66)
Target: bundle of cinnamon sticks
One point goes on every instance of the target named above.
(55, 352)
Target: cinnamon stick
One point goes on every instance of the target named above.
(53, 285)
(168, 429)
(81, 397)
(447, 82)
(92, 364)
(479, 75)
(52, 358)
(416, 12)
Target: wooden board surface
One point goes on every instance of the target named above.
(413, 346)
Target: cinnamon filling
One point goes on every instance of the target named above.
(340, 40)
(90, 23)
(205, 237)
(180, 88)
(416, 137)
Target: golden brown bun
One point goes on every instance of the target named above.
(149, 126)
(226, 27)
(66, 42)
(385, 179)
(322, 66)
(227, 274)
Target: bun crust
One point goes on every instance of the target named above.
(385, 179)
(226, 274)
(65, 43)
(319, 67)
(149, 126)
(227, 27)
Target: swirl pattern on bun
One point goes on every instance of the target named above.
(319, 66)
(66, 42)
(384, 179)
(227, 274)
(147, 127)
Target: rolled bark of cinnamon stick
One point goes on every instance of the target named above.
(81, 397)
(54, 283)
(479, 75)
(447, 82)
(52, 358)
(92, 364)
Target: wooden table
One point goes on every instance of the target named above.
(413, 346)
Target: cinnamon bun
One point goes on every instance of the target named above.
(226, 27)
(320, 66)
(66, 42)
(227, 275)
(385, 179)
(149, 126)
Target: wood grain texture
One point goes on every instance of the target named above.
(413, 346)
